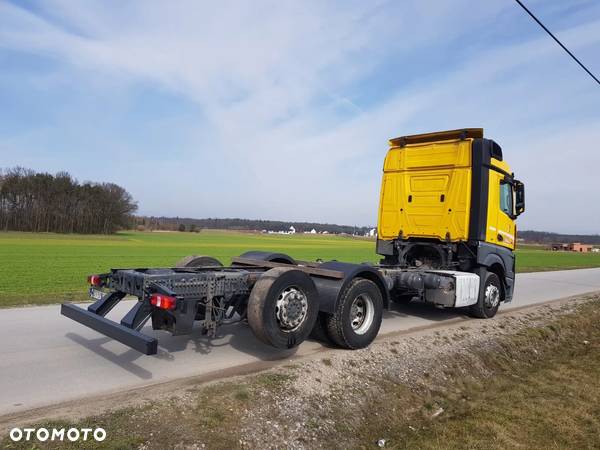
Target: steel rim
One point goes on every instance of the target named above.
(492, 296)
(362, 313)
(291, 308)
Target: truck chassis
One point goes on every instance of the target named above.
(283, 300)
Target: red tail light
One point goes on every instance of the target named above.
(163, 301)
(94, 280)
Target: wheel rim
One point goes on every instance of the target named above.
(492, 296)
(291, 308)
(362, 313)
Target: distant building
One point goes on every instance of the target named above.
(573, 247)
(292, 230)
(596, 250)
(313, 231)
(372, 232)
(582, 248)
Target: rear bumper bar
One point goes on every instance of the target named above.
(132, 338)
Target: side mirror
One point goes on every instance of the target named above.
(519, 197)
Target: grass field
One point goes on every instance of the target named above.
(535, 259)
(47, 268)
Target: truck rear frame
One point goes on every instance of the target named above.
(214, 295)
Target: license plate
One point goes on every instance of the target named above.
(96, 294)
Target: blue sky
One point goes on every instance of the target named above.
(282, 109)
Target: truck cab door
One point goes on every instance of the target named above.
(501, 211)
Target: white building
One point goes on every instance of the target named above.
(292, 230)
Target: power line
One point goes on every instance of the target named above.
(557, 41)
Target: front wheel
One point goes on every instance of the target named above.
(358, 315)
(489, 297)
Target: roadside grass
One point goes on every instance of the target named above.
(45, 268)
(539, 390)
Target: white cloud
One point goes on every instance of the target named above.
(277, 84)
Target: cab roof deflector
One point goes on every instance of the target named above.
(463, 133)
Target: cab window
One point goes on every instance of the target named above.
(506, 198)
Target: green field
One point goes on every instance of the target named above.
(38, 268)
(531, 259)
(46, 268)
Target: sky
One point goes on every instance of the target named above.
(283, 109)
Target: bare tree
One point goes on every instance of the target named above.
(31, 201)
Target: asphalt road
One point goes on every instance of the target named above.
(46, 358)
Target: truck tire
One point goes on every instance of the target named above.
(283, 307)
(358, 315)
(490, 296)
(198, 261)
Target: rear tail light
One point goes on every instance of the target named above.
(94, 280)
(163, 301)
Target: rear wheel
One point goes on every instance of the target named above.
(358, 315)
(490, 296)
(283, 307)
(198, 261)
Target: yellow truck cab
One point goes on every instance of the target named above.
(449, 201)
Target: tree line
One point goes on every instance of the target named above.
(42, 202)
(188, 224)
(545, 237)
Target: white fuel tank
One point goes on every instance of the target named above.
(462, 291)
